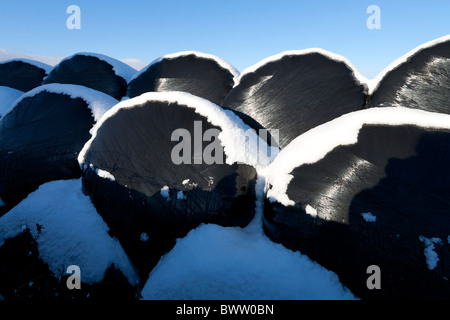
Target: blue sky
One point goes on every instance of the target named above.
(241, 32)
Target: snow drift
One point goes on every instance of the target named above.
(200, 74)
(391, 163)
(94, 71)
(41, 135)
(23, 74)
(230, 263)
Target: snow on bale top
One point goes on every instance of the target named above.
(420, 79)
(201, 74)
(221, 62)
(23, 74)
(277, 57)
(295, 91)
(7, 97)
(315, 144)
(233, 129)
(405, 59)
(47, 68)
(72, 232)
(120, 68)
(42, 134)
(95, 71)
(97, 101)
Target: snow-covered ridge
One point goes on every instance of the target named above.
(231, 136)
(97, 101)
(333, 56)
(120, 68)
(374, 83)
(221, 62)
(316, 143)
(47, 68)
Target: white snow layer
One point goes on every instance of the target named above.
(165, 193)
(180, 195)
(97, 101)
(241, 143)
(221, 62)
(214, 262)
(7, 97)
(316, 143)
(368, 217)
(120, 68)
(430, 255)
(311, 211)
(71, 232)
(47, 68)
(105, 174)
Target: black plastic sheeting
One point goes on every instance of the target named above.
(297, 93)
(401, 175)
(135, 146)
(190, 73)
(21, 75)
(91, 72)
(39, 142)
(423, 82)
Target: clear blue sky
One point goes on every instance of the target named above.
(241, 32)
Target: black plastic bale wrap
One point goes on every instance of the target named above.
(21, 75)
(89, 71)
(398, 174)
(200, 76)
(421, 82)
(39, 142)
(295, 93)
(134, 146)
